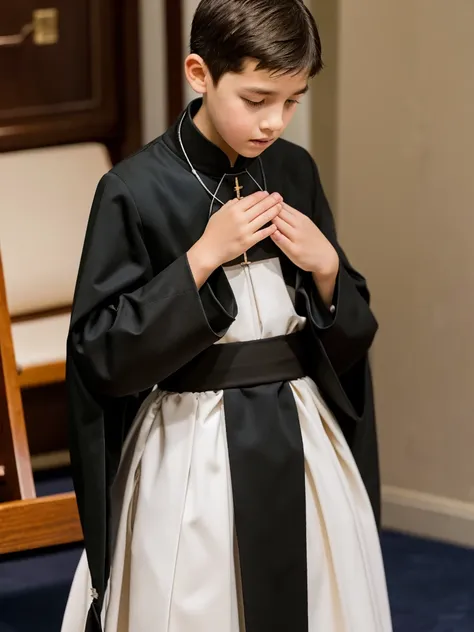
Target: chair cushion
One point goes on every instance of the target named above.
(46, 195)
(40, 341)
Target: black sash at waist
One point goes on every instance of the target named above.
(242, 364)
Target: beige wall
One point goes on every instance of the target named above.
(325, 97)
(404, 191)
(153, 67)
(299, 131)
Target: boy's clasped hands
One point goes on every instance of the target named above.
(241, 224)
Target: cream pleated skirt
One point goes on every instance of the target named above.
(175, 564)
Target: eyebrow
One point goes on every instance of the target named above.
(269, 93)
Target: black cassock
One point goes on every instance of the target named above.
(139, 321)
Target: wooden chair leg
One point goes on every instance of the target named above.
(16, 476)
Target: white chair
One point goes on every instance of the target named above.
(45, 199)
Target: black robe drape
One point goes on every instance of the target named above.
(138, 317)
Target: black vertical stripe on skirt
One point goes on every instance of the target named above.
(267, 470)
(268, 483)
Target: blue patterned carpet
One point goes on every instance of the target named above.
(431, 587)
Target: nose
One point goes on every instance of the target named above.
(273, 123)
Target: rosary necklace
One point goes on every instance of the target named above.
(238, 187)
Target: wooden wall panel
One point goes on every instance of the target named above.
(84, 87)
(174, 53)
(51, 79)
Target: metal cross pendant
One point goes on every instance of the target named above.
(238, 188)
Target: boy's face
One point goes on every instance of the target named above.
(246, 112)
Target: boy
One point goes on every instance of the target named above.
(213, 297)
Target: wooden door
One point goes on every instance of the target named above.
(69, 72)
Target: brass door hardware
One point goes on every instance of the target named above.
(44, 28)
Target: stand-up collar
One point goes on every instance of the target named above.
(204, 155)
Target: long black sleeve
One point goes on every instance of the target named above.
(133, 326)
(348, 334)
(341, 365)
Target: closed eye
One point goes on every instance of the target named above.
(257, 104)
(254, 104)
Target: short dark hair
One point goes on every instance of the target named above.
(280, 34)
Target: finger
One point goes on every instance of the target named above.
(290, 209)
(231, 202)
(263, 206)
(248, 202)
(263, 234)
(297, 215)
(285, 228)
(288, 217)
(264, 218)
(282, 242)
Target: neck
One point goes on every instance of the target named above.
(206, 127)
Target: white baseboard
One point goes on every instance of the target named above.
(428, 516)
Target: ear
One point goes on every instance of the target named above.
(196, 73)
